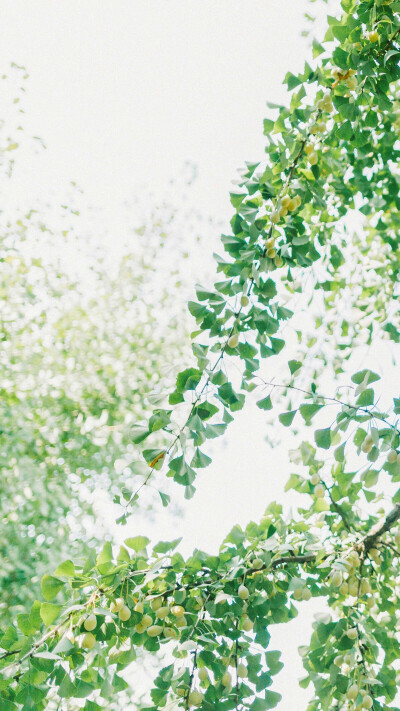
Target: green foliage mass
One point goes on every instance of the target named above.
(331, 154)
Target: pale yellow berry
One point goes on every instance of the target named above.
(271, 253)
(353, 589)
(352, 633)
(139, 607)
(232, 343)
(203, 674)
(247, 624)
(313, 159)
(177, 610)
(124, 614)
(336, 578)
(292, 205)
(344, 589)
(372, 36)
(285, 202)
(283, 212)
(156, 603)
(315, 479)
(365, 587)
(169, 632)
(351, 83)
(338, 660)
(278, 261)
(139, 628)
(181, 691)
(226, 679)
(242, 671)
(243, 592)
(392, 456)
(90, 623)
(146, 620)
(366, 446)
(319, 491)
(117, 605)
(298, 594)
(367, 702)
(181, 621)
(162, 612)
(275, 217)
(154, 630)
(306, 594)
(257, 564)
(352, 692)
(297, 200)
(244, 300)
(308, 149)
(88, 641)
(195, 698)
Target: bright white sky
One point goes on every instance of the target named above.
(123, 93)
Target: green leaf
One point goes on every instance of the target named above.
(51, 586)
(188, 379)
(345, 131)
(365, 376)
(49, 612)
(200, 460)
(165, 546)
(137, 543)
(308, 411)
(323, 438)
(294, 365)
(265, 403)
(66, 569)
(286, 418)
(366, 398)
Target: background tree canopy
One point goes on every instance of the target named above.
(313, 243)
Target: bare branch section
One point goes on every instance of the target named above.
(380, 528)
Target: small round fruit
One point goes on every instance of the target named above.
(139, 628)
(373, 36)
(88, 641)
(367, 702)
(278, 261)
(309, 148)
(275, 217)
(292, 205)
(366, 446)
(181, 621)
(233, 340)
(117, 605)
(337, 578)
(90, 623)
(352, 633)
(315, 479)
(203, 674)
(283, 212)
(344, 589)
(351, 83)
(338, 660)
(306, 594)
(313, 159)
(170, 633)
(244, 300)
(297, 200)
(242, 671)
(154, 630)
(319, 491)
(146, 621)
(124, 614)
(243, 592)
(392, 456)
(177, 610)
(247, 624)
(139, 607)
(156, 603)
(365, 587)
(162, 612)
(226, 679)
(353, 589)
(181, 691)
(352, 692)
(195, 698)
(257, 564)
(285, 202)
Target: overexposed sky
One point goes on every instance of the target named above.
(123, 93)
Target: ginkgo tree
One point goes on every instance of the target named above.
(332, 153)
